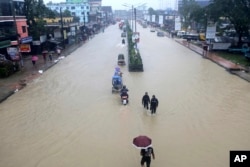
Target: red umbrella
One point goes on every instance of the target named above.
(142, 142)
(34, 58)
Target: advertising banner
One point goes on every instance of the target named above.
(153, 18)
(160, 19)
(177, 23)
(24, 47)
(13, 52)
(211, 31)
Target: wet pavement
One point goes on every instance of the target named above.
(28, 73)
(19, 80)
(236, 69)
(69, 117)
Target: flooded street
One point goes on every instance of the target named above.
(69, 118)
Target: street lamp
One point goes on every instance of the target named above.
(134, 13)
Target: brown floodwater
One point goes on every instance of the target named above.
(69, 117)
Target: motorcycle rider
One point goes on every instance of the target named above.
(124, 94)
(124, 89)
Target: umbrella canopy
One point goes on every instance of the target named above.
(34, 58)
(142, 142)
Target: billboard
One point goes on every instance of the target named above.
(153, 18)
(161, 19)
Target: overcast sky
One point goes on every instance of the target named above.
(118, 4)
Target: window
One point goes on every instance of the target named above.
(72, 7)
(24, 29)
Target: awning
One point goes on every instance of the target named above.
(5, 44)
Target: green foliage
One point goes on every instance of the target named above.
(135, 60)
(35, 11)
(6, 69)
(66, 13)
(236, 11)
(237, 58)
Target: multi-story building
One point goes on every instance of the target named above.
(95, 10)
(107, 14)
(77, 8)
(201, 3)
(13, 26)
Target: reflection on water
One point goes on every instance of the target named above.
(69, 117)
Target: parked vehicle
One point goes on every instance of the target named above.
(123, 34)
(160, 34)
(152, 30)
(7, 67)
(181, 33)
(121, 59)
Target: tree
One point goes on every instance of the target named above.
(66, 13)
(237, 11)
(35, 11)
(187, 11)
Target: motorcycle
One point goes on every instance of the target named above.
(124, 100)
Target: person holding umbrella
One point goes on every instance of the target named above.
(146, 156)
(34, 59)
(145, 144)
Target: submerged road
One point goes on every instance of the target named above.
(69, 117)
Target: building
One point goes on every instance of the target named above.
(107, 14)
(13, 27)
(78, 9)
(201, 3)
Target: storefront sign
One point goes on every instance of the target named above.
(24, 47)
(13, 52)
(36, 43)
(26, 40)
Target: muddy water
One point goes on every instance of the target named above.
(69, 117)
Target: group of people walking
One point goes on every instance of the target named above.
(147, 153)
(153, 102)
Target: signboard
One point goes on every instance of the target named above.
(13, 52)
(211, 31)
(153, 18)
(36, 43)
(148, 18)
(43, 38)
(24, 47)
(177, 23)
(57, 34)
(160, 19)
(26, 40)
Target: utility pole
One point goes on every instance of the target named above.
(135, 18)
(84, 19)
(13, 10)
(62, 27)
(132, 18)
